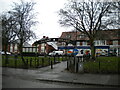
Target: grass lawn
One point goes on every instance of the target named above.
(103, 65)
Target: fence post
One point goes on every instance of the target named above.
(82, 59)
(34, 62)
(57, 58)
(38, 62)
(76, 67)
(62, 57)
(30, 62)
(42, 62)
(15, 61)
(78, 59)
(118, 66)
(99, 66)
(75, 64)
(67, 65)
(74, 60)
(27, 63)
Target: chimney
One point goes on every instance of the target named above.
(44, 37)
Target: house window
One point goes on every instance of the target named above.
(63, 43)
(70, 44)
(78, 43)
(42, 49)
(82, 36)
(15, 47)
(100, 42)
(84, 43)
(34, 49)
(68, 36)
(115, 42)
(43, 45)
(96, 42)
(27, 49)
(11, 47)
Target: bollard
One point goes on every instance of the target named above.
(51, 64)
(67, 65)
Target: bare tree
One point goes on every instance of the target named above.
(8, 34)
(86, 17)
(24, 17)
(114, 16)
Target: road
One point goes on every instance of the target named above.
(17, 82)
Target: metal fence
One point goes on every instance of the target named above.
(81, 65)
(31, 62)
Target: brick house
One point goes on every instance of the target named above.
(13, 47)
(45, 47)
(106, 38)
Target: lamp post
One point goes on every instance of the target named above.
(75, 41)
(76, 34)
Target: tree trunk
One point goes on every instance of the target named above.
(23, 60)
(92, 50)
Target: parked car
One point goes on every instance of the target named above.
(2, 53)
(54, 53)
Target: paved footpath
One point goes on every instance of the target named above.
(59, 74)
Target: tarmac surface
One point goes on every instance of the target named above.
(59, 74)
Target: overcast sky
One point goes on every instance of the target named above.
(47, 16)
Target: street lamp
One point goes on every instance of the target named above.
(75, 46)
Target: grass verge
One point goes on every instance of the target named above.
(103, 65)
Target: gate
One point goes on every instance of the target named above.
(75, 64)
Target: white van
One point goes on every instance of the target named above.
(56, 53)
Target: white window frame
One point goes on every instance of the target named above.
(115, 42)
